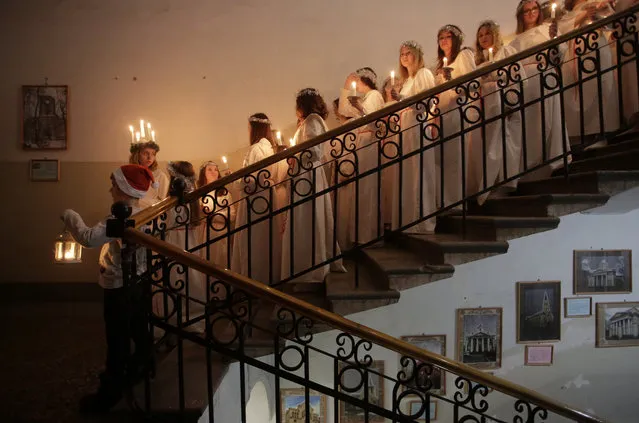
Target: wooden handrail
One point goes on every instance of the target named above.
(157, 209)
(338, 322)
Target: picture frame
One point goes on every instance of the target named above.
(350, 376)
(44, 117)
(435, 344)
(539, 355)
(44, 170)
(602, 272)
(414, 407)
(479, 335)
(293, 402)
(577, 307)
(617, 324)
(538, 311)
(473, 384)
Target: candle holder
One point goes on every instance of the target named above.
(144, 137)
(448, 73)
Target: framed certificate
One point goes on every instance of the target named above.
(44, 170)
(577, 307)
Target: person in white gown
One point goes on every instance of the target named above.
(145, 154)
(253, 255)
(489, 48)
(629, 71)
(417, 196)
(531, 31)
(309, 225)
(390, 174)
(453, 61)
(365, 99)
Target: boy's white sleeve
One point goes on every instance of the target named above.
(88, 237)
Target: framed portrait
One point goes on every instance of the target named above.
(44, 170)
(577, 307)
(437, 377)
(294, 406)
(355, 381)
(417, 410)
(539, 355)
(602, 272)
(44, 123)
(617, 324)
(479, 337)
(538, 311)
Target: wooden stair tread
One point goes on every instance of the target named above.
(393, 260)
(457, 243)
(343, 285)
(611, 148)
(506, 221)
(621, 160)
(550, 198)
(582, 182)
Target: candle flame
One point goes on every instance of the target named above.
(354, 84)
(152, 135)
(279, 135)
(131, 128)
(224, 159)
(291, 141)
(554, 6)
(392, 74)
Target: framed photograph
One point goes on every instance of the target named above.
(45, 117)
(417, 411)
(435, 344)
(577, 307)
(602, 272)
(539, 355)
(479, 337)
(617, 324)
(44, 170)
(473, 384)
(351, 376)
(538, 311)
(294, 406)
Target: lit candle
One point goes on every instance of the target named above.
(354, 86)
(291, 141)
(445, 61)
(137, 136)
(392, 78)
(490, 54)
(278, 134)
(553, 10)
(148, 128)
(141, 128)
(225, 161)
(153, 135)
(132, 134)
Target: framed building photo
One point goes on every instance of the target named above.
(538, 311)
(602, 272)
(351, 377)
(435, 344)
(417, 410)
(294, 406)
(45, 117)
(617, 324)
(479, 337)
(44, 170)
(577, 307)
(539, 355)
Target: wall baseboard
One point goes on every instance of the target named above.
(11, 292)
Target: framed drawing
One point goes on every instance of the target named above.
(44, 170)
(437, 377)
(473, 384)
(351, 377)
(417, 411)
(602, 272)
(617, 324)
(45, 117)
(294, 406)
(538, 311)
(577, 307)
(539, 355)
(479, 337)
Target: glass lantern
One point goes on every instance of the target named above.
(67, 250)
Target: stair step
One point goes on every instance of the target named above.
(450, 249)
(609, 182)
(617, 147)
(495, 228)
(624, 160)
(542, 205)
(626, 136)
(405, 269)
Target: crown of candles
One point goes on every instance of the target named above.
(145, 133)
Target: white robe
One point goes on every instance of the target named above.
(365, 189)
(588, 106)
(451, 123)
(555, 131)
(415, 185)
(154, 195)
(311, 217)
(630, 70)
(390, 176)
(218, 251)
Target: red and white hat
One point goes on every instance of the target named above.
(134, 180)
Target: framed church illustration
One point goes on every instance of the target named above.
(538, 311)
(44, 123)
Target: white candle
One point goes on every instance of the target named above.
(132, 134)
(137, 136)
(553, 10)
(141, 128)
(225, 161)
(148, 128)
(490, 54)
(392, 78)
(153, 135)
(445, 62)
(354, 86)
(278, 134)
(291, 141)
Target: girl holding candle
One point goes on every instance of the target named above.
(145, 154)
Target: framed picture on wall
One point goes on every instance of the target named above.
(538, 311)
(417, 410)
(44, 170)
(479, 337)
(294, 406)
(352, 377)
(427, 376)
(617, 324)
(602, 271)
(577, 307)
(44, 123)
(539, 355)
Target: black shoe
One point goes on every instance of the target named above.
(100, 402)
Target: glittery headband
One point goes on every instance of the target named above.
(521, 4)
(367, 73)
(205, 164)
(413, 44)
(453, 30)
(489, 23)
(307, 91)
(259, 120)
(188, 180)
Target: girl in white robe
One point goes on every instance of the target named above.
(367, 155)
(145, 154)
(312, 220)
(531, 31)
(629, 71)
(452, 61)
(489, 48)
(390, 174)
(417, 197)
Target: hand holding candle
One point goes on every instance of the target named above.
(392, 78)
(553, 11)
(490, 54)
(354, 87)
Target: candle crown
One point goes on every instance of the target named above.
(143, 137)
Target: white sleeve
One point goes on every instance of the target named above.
(87, 237)
(424, 80)
(163, 189)
(374, 101)
(345, 107)
(464, 63)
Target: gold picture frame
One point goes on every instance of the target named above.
(479, 332)
(539, 355)
(617, 324)
(44, 170)
(292, 402)
(602, 272)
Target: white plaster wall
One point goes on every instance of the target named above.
(601, 380)
(253, 54)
